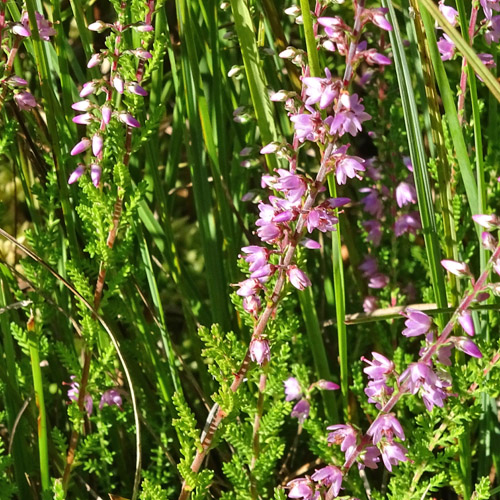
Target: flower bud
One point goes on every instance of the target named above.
(97, 144)
(95, 174)
(98, 26)
(82, 105)
(467, 323)
(128, 119)
(82, 146)
(106, 114)
(459, 269)
(94, 60)
(135, 88)
(297, 277)
(76, 174)
(489, 241)
(326, 385)
(467, 346)
(142, 27)
(489, 222)
(88, 89)
(25, 100)
(84, 119)
(118, 84)
(16, 81)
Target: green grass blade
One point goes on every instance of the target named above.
(255, 77)
(418, 157)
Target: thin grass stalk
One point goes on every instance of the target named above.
(317, 346)
(43, 449)
(202, 189)
(418, 157)
(438, 141)
(255, 77)
(463, 47)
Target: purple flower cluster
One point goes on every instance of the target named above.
(109, 397)
(293, 391)
(12, 83)
(490, 25)
(98, 116)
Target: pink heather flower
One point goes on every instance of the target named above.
(466, 322)
(248, 287)
(369, 304)
(259, 351)
(45, 29)
(84, 105)
(392, 454)
(76, 174)
(84, 119)
(143, 27)
(374, 230)
(128, 119)
(292, 185)
(301, 410)
(489, 242)
(371, 202)
(377, 17)
(118, 84)
(349, 115)
(459, 269)
(321, 90)
(467, 346)
(307, 126)
(378, 280)
(300, 488)
(97, 145)
(378, 392)
(388, 426)
(256, 256)
(82, 146)
(88, 89)
(321, 219)
(446, 47)
(405, 193)
(94, 60)
(327, 385)
(373, 57)
(135, 88)
(16, 81)
(95, 174)
(272, 147)
(349, 166)
(297, 277)
(25, 101)
(492, 35)
(110, 397)
(142, 54)
(488, 6)
(379, 368)
(311, 244)
(368, 267)
(20, 30)
(449, 13)
(407, 223)
(73, 394)
(106, 114)
(369, 457)
(344, 435)
(489, 222)
(418, 323)
(423, 378)
(329, 476)
(252, 304)
(292, 389)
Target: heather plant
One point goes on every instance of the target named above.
(249, 249)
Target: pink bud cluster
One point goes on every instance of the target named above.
(98, 116)
(19, 30)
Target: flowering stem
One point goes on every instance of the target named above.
(215, 418)
(403, 387)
